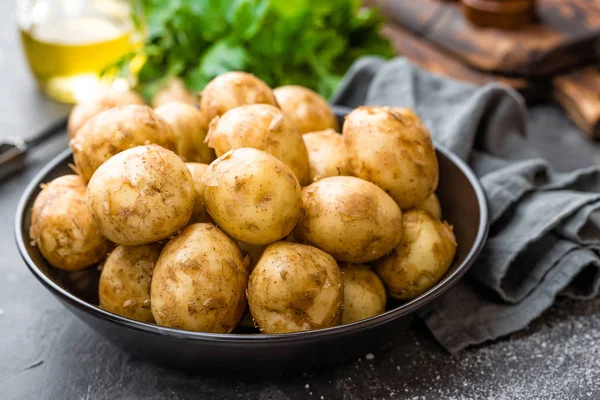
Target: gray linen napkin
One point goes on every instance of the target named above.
(545, 234)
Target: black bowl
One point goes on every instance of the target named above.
(253, 354)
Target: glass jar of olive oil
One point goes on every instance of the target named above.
(69, 42)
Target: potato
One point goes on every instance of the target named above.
(190, 127)
(93, 106)
(391, 148)
(295, 288)
(62, 227)
(252, 196)
(326, 154)
(234, 89)
(125, 281)
(351, 219)
(115, 130)
(432, 206)
(421, 259)
(306, 108)
(174, 90)
(364, 294)
(199, 281)
(265, 128)
(199, 214)
(141, 195)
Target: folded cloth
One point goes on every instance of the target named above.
(545, 234)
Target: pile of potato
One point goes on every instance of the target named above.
(308, 227)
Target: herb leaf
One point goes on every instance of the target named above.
(304, 42)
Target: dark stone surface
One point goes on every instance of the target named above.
(46, 353)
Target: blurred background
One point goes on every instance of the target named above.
(69, 43)
(545, 49)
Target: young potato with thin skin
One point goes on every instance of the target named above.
(295, 288)
(199, 281)
(432, 206)
(364, 293)
(190, 127)
(392, 148)
(62, 227)
(421, 259)
(326, 154)
(93, 106)
(306, 108)
(141, 195)
(199, 214)
(252, 196)
(261, 127)
(352, 219)
(410, 114)
(234, 89)
(115, 130)
(174, 91)
(124, 287)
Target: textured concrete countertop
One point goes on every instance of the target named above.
(46, 353)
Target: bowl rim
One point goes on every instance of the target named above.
(388, 316)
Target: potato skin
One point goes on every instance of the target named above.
(115, 130)
(234, 89)
(265, 128)
(124, 287)
(326, 154)
(421, 259)
(199, 214)
(351, 219)
(199, 281)
(190, 127)
(432, 206)
(174, 91)
(364, 293)
(252, 196)
(306, 108)
(63, 229)
(295, 288)
(392, 148)
(141, 195)
(105, 100)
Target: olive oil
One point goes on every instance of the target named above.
(67, 51)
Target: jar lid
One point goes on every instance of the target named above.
(503, 14)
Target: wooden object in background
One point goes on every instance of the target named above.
(433, 59)
(567, 34)
(578, 92)
(502, 14)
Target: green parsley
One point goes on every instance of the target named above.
(305, 42)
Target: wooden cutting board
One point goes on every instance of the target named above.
(534, 60)
(439, 61)
(566, 34)
(578, 92)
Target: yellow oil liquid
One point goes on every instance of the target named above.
(66, 55)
